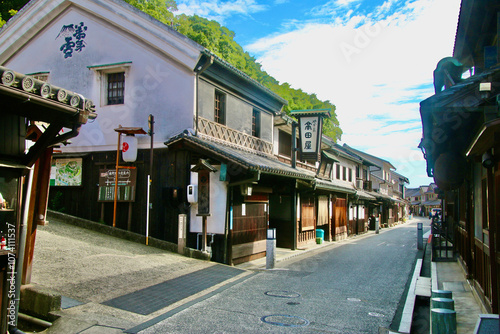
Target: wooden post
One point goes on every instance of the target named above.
(38, 208)
(294, 216)
(203, 168)
(116, 178)
(204, 234)
(492, 241)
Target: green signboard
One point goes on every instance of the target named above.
(66, 172)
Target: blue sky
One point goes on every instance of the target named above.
(372, 58)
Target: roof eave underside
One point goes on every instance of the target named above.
(226, 156)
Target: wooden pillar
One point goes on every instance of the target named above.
(37, 209)
(294, 216)
(492, 242)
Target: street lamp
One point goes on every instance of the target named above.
(129, 132)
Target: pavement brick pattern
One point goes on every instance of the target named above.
(156, 297)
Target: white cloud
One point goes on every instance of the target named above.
(218, 10)
(367, 68)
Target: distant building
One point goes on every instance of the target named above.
(423, 199)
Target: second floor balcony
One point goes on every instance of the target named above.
(220, 133)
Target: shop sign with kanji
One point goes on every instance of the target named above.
(310, 132)
(126, 185)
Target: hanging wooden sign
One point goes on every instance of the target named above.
(310, 132)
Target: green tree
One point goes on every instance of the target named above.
(159, 9)
(219, 40)
(9, 8)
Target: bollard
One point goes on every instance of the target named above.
(446, 303)
(420, 236)
(444, 321)
(442, 294)
(181, 239)
(271, 248)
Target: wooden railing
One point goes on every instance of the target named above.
(218, 132)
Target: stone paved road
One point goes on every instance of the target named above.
(352, 288)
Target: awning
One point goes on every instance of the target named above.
(450, 120)
(24, 97)
(247, 159)
(364, 195)
(436, 202)
(334, 185)
(485, 138)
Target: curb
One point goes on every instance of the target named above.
(126, 235)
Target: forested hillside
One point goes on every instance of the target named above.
(220, 41)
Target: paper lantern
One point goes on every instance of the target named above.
(129, 148)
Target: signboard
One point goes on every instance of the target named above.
(126, 185)
(310, 132)
(66, 172)
(203, 192)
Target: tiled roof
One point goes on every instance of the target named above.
(365, 195)
(335, 185)
(244, 76)
(263, 163)
(258, 162)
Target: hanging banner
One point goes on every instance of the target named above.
(310, 132)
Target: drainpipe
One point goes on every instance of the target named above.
(294, 146)
(294, 215)
(200, 69)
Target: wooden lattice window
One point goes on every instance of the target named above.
(220, 108)
(307, 214)
(116, 88)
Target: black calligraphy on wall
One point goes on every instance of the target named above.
(74, 38)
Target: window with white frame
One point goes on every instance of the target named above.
(116, 88)
(112, 82)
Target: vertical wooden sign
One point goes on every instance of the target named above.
(310, 131)
(203, 192)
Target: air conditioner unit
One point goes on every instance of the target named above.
(359, 184)
(192, 193)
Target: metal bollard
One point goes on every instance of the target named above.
(271, 248)
(444, 321)
(446, 303)
(441, 294)
(420, 236)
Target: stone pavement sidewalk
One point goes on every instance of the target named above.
(105, 282)
(449, 276)
(109, 285)
(90, 270)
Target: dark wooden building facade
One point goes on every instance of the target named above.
(24, 175)
(460, 143)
